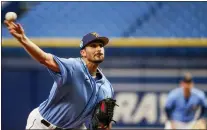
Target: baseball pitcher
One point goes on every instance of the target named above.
(80, 91)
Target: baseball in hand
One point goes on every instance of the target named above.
(11, 16)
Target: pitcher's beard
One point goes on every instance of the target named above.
(97, 61)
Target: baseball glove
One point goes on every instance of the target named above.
(103, 114)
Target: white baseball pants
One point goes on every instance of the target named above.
(180, 125)
(34, 122)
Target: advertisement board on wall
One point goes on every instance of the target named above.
(141, 107)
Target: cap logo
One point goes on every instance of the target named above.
(81, 44)
(95, 34)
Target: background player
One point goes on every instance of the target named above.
(78, 83)
(186, 106)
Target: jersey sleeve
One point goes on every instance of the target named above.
(204, 106)
(169, 105)
(112, 91)
(66, 70)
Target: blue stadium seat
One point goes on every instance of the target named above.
(176, 19)
(75, 19)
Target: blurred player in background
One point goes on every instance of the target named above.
(186, 106)
(78, 83)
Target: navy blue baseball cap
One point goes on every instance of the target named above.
(92, 37)
(187, 78)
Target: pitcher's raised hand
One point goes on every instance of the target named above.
(15, 30)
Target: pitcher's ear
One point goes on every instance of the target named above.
(83, 53)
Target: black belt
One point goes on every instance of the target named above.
(46, 123)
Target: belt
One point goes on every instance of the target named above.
(46, 123)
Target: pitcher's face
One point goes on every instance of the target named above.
(94, 52)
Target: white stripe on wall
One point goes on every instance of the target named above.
(151, 87)
(146, 72)
(153, 72)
